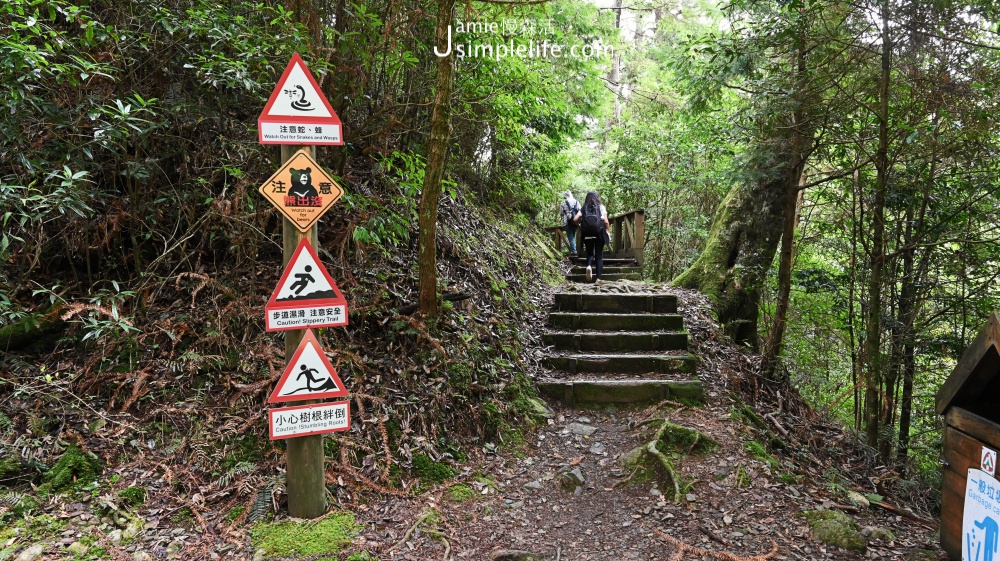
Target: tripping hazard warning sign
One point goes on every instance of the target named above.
(306, 295)
(304, 420)
(308, 375)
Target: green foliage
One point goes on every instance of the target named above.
(288, 538)
(430, 471)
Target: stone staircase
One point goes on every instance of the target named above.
(614, 269)
(619, 348)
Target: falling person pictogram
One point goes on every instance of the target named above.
(329, 384)
(302, 281)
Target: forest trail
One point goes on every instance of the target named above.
(582, 488)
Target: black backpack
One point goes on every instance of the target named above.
(591, 223)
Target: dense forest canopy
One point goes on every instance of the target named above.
(825, 171)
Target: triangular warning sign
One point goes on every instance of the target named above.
(306, 295)
(297, 111)
(309, 375)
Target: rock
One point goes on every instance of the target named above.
(877, 533)
(259, 555)
(585, 420)
(572, 480)
(515, 555)
(78, 549)
(540, 408)
(835, 528)
(176, 546)
(581, 429)
(132, 530)
(598, 448)
(141, 556)
(691, 497)
(858, 499)
(533, 485)
(32, 553)
(115, 536)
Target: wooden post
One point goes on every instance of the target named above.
(639, 236)
(305, 478)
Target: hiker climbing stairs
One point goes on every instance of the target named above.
(618, 348)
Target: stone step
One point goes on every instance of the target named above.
(615, 270)
(605, 277)
(575, 363)
(617, 342)
(623, 391)
(605, 303)
(625, 261)
(623, 322)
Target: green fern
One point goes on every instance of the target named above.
(241, 468)
(261, 505)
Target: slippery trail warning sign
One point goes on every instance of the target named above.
(306, 295)
(304, 420)
(297, 111)
(308, 375)
(301, 190)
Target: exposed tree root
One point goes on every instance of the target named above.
(683, 548)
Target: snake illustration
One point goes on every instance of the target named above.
(302, 104)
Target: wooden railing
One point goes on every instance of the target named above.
(628, 234)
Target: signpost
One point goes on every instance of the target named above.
(297, 113)
(306, 295)
(299, 117)
(308, 420)
(301, 190)
(309, 362)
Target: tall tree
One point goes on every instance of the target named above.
(437, 153)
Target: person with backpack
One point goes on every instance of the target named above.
(568, 209)
(593, 221)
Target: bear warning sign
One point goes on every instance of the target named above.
(306, 296)
(301, 190)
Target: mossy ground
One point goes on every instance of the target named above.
(289, 538)
(460, 493)
(74, 468)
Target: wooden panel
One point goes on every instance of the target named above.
(979, 364)
(952, 505)
(961, 451)
(975, 425)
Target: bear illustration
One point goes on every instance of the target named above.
(302, 183)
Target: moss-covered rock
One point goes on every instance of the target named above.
(133, 496)
(74, 468)
(835, 528)
(430, 471)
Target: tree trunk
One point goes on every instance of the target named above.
(741, 244)
(873, 339)
(772, 348)
(437, 152)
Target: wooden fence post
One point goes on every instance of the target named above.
(305, 478)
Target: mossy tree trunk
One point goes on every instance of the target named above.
(743, 239)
